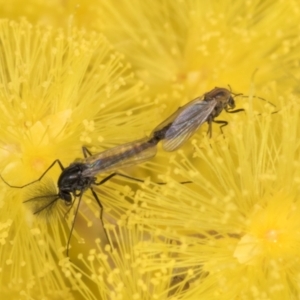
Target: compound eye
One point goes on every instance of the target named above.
(66, 196)
(231, 102)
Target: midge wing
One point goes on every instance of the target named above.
(177, 113)
(120, 157)
(184, 122)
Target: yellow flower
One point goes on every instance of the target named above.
(126, 272)
(183, 48)
(237, 227)
(59, 90)
(233, 233)
(55, 13)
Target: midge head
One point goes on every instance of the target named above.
(226, 97)
(223, 100)
(222, 96)
(72, 184)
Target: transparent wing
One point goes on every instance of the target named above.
(179, 127)
(181, 111)
(120, 157)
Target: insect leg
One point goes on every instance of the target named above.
(70, 208)
(117, 174)
(73, 223)
(129, 177)
(225, 123)
(101, 214)
(233, 111)
(209, 130)
(20, 187)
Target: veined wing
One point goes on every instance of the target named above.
(180, 111)
(179, 127)
(120, 157)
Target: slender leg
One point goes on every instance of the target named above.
(234, 111)
(129, 177)
(209, 130)
(71, 205)
(225, 123)
(73, 223)
(117, 174)
(101, 214)
(22, 186)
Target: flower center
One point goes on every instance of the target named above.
(273, 232)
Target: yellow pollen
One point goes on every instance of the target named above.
(272, 231)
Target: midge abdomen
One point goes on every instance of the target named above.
(121, 156)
